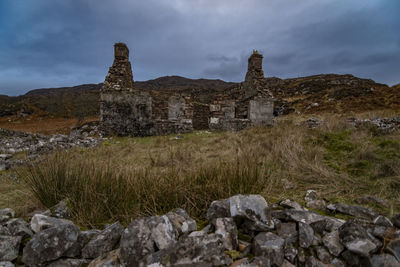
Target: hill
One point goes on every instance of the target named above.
(64, 107)
(332, 93)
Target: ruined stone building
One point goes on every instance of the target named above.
(125, 110)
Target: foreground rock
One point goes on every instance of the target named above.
(243, 232)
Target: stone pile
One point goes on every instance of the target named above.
(243, 231)
(382, 124)
(19, 148)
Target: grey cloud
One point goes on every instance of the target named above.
(61, 43)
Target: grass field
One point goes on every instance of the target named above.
(129, 177)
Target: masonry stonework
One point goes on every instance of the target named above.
(126, 111)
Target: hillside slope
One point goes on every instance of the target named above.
(325, 93)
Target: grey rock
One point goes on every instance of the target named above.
(261, 262)
(337, 263)
(333, 224)
(288, 232)
(136, 242)
(356, 211)
(181, 221)
(332, 242)
(384, 260)
(307, 217)
(50, 244)
(317, 240)
(4, 230)
(162, 231)
(4, 218)
(396, 220)
(218, 209)
(19, 227)
(311, 195)
(290, 253)
(205, 231)
(69, 263)
(103, 242)
(61, 210)
(394, 248)
(306, 235)
(7, 212)
(323, 254)
(226, 227)
(301, 255)
(110, 259)
(382, 221)
(189, 251)
(9, 247)
(270, 246)
(244, 248)
(379, 231)
(356, 239)
(352, 259)
(40, 222)
(290, 204)
(318, 204)
(6, 264)
(313, 262)
(252, 208)
(83, 238)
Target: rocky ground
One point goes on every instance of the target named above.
(18, 148)
(243, 230)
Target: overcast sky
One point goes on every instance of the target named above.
(53, 43)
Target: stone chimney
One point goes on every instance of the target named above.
(254, 69)
(255, 75)
(119, 76)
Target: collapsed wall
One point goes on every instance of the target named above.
(125, 110)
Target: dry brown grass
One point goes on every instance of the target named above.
(39, 124)
(129, 177)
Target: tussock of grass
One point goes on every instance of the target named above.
(130, 177)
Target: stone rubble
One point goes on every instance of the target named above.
(243, 231)
(32, 146)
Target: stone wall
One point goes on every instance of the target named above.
(128, 111)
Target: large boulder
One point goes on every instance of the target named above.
(50, 244)
(9, 247)
(103, 242)
(251, 210)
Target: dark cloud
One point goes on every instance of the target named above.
(48, 43)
